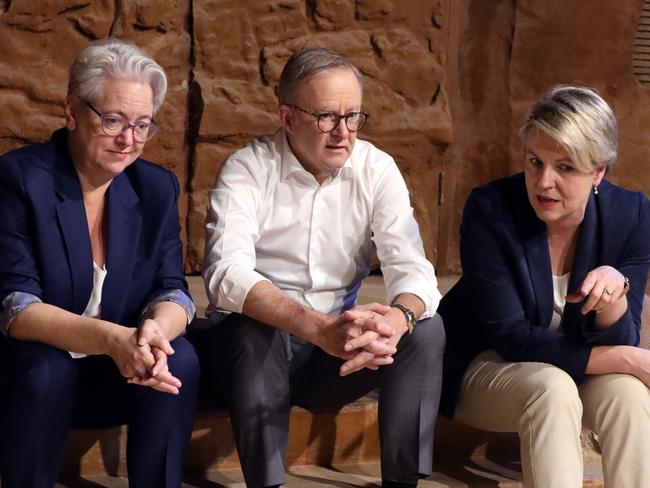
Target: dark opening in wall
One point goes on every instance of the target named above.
(642, 46)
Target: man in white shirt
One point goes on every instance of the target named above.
(294, 222)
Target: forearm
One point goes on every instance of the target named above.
(268, 304)
(170, 316)
(396, 317)
(47, 324)
(616, 359)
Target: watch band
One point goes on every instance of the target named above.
(410, 316)
(626, 287)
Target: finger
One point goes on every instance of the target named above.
(588, 283)
(350, 330)
(380, 326)
(156, 385)
(358, 362)
(593, 298)
(373, 321)
(605, 300)
(361, 341)
(382, 360)
(161, 343)
(146, 331)
(167, 377)
(161, 361)
(379, 348)
(166, 388)
(576, 297)
(139, 362)
(353, 315)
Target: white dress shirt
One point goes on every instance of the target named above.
(269, 219)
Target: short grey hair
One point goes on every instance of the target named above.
(306, 64)
(113, 58)
(581, 121)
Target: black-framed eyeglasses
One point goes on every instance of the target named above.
(114, 125)
(329, 121)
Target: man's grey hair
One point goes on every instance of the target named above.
(112, 58)
(580, 121)
(306, 64)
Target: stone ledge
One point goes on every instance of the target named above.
(464, 456)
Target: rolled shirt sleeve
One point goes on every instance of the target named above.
(12, 305)
(176, 296)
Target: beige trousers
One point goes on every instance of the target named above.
(545, 407)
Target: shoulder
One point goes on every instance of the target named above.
(499, 198)
(374, 166)
(152, 181)
(261, 153)
(618, 204)
(367, 156)
(29, 169)
(29, 158)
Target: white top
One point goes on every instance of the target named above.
(560, 290)
(269, 219)
(94, 307)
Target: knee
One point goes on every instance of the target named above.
(184, 363)
(553, 393)
(42, 372)
(251, 340)
(428, 337)
(617, 397)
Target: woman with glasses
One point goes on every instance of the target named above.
(543, 327)
(91, 282)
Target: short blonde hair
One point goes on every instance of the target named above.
(580, 121)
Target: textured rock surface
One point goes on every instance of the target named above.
(578, 52)
(447, 82)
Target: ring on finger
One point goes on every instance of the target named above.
(608, 292)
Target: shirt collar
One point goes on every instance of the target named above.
(289, 163)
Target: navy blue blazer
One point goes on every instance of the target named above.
(504, 300)
(45, 246)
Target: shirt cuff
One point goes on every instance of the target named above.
(176, 296)
(234, 288)
(12, 305)
(429, 294)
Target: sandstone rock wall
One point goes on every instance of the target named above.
(447, 82)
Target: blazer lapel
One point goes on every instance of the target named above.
(584, 260)
(71, 216)
(124, 224)
(539, 267)
(532, 233)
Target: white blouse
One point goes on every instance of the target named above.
(560, 289)
(94, 307)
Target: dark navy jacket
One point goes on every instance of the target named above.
(504, 300)
(45, 247)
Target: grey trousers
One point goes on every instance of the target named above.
(264, 371)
